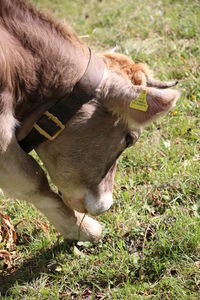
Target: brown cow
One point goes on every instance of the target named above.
(42, 60)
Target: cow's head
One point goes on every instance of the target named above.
(82, 160)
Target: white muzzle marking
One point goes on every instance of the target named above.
(98, 205)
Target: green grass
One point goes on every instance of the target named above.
(152, 232)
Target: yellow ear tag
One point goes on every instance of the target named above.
(140, 103)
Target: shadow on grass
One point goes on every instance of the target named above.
(33, 267)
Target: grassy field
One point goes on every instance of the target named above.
(151, 244)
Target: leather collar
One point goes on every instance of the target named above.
(53, 120)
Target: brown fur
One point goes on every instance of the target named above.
(137, 73)
(41, 61)
(35, 47)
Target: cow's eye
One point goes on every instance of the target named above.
(129, 140)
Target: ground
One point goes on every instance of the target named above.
(151, 244)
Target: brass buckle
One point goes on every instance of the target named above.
(56, 121)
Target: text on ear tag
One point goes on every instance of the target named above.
(140, 103)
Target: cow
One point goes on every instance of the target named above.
(109, 98)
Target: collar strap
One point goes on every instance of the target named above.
(52, 122)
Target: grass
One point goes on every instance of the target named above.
(151, 246)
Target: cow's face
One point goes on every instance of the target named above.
(82, 160)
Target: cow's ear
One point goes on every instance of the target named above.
(139, 105)
(150, 103)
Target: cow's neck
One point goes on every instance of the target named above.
(57, 77)
(63, 110)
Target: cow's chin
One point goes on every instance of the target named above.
(91, 204)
